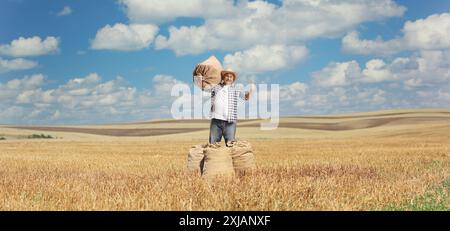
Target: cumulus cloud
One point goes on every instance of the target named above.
(65, 11)
(28, 82)
(337, 74)
(15, 87)
(351, 43)
(33, 46)
(164, 83)
(294, 92)
(424, 68)
(264, 23)
(156, 11)
(16, 64)
(421, 79)
(124, 37)
(265, 58)
(360, 96)
(376, 71)
(431, 33)
(86, 99)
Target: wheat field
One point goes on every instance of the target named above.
(372, 168)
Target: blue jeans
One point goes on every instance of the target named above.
(219, 128)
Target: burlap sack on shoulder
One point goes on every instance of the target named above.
(210, 69)
(195, 158)
(243, 157)
(218, 162)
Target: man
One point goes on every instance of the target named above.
(224, 97)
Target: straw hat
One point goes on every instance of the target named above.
(229, 70)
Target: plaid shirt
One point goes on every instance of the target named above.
(233, 95)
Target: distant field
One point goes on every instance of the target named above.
(296, 125)
(394, 160)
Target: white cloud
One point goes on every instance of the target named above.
(11, 89)
(265, 58)
(84, 82)
(85, 99)
(337, 74)
(263, 23)
(156, 11)
(28, 82)
(164, 83)
(124, 37)
(420, 69)
(16, 64)
(65, 11)
(431, 33)
(351, 98)
(33, 46)
(421, 79)
(424, 68)
(351, 43)
(296, 90)
(26, 96)
(376, 71)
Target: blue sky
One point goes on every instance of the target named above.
(328, 57)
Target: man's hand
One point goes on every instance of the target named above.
(199, 77)
(200, 80)
(249, 93)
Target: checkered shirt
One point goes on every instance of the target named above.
(233, 94)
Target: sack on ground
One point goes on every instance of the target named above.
(218, 162)
(210, 69)
(242, 156)
(195, 158)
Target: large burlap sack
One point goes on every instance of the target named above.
(195, 158)
(243, 157)
(210, 69)
(218, 162)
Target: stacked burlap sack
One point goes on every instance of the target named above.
(242, 156)
(214, 160)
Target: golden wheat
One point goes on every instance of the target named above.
(292, 174)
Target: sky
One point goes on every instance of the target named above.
(90, 62)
